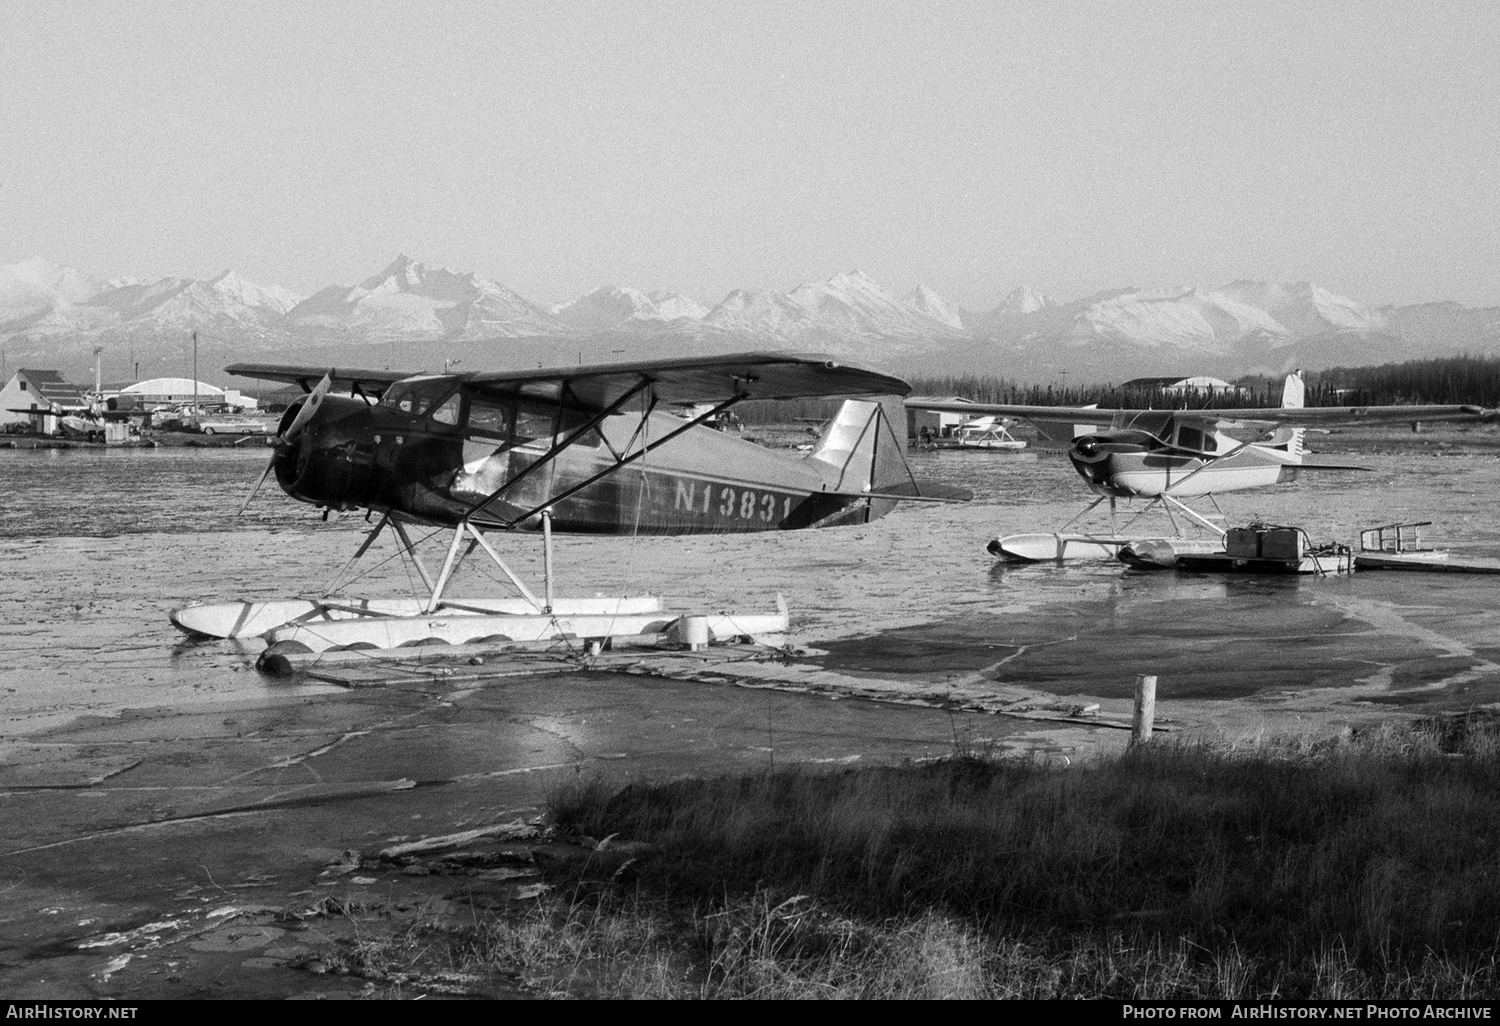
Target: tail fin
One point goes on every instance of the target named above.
(1292, 396)
(860, 452)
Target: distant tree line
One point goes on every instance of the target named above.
(990, 389)
(1453, 379)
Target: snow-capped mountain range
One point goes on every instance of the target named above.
(38, 299)
(56, 316)
(611, 306)
(409, 299)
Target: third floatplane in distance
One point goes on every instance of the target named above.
(1167, 456)
(588, 449)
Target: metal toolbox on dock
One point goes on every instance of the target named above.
(1259, 542)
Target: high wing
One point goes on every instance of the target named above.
(1319, 416)
(366, 382)
(1335, 416)
(705, 379)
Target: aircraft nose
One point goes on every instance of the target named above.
(325, 456)
(288, 459)
(1087, 448)
(293, 447)
(285, 424)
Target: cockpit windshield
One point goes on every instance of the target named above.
(425, 397)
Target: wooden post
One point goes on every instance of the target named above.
(1145, 709)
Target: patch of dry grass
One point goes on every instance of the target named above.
(1363, 867)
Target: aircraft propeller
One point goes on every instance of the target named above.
(1094, 448)
(306, 413)
(1088, 448)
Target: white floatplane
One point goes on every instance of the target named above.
(984, 433)
(1167, 456)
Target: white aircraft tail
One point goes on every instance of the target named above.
(860, 452)
(1290, 438)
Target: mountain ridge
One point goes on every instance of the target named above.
(57, 313)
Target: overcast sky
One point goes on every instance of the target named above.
(702, 147)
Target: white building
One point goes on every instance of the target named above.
(185, 391)
(41, 390)
(1200, 385)
(938, 425)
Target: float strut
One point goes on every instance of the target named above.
(411, 550)
(448, 565)
(364, 547)
(520, 585)
(547, 557)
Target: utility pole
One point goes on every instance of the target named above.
(195, 375)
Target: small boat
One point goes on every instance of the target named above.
(1399, 547)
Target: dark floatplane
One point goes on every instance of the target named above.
(1167, 456)
(589, 449)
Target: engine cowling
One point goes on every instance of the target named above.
(1091, 454)
(330, 460)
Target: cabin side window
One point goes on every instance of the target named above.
(546, 425)
(534, 422)
(516, 421)
(1196, 439)
(446, 412)
(491, 416)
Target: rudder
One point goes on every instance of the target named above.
(860, 451)
(1293, 395)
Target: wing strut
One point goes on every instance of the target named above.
(1206, 464)
(624, 460)
(558, 447)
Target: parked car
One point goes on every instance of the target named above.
(234, 424)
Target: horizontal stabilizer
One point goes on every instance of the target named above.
(1330, 466)
(937, 492)
(928, 493)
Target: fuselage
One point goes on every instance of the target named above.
(1161, 457)
(435, 452)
